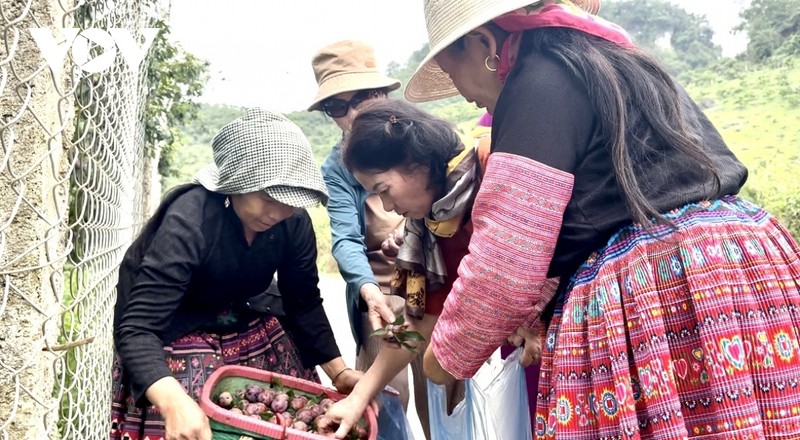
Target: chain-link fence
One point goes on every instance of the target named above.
(71, 130)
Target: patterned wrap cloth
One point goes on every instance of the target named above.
(552, 13)
(419, 266)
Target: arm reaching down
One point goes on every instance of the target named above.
(389, 362)
(503, 280)
(347, 241)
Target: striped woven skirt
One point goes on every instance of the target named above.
(679, 333)
(192, 359)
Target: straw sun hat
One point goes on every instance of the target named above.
(264, 150)
(449, 20)
(346, 66)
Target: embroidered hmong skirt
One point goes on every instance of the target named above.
(192, 359)
(679, 333)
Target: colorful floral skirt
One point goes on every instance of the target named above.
(192, 359)
(675, 334)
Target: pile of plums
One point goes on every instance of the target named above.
(287, 408)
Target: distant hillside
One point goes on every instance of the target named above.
(756, 107)
(757, 110)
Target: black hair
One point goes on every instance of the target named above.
(389, 133)
(640, 109)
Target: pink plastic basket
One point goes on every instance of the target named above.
(260, 427)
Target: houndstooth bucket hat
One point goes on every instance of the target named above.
(264, 150)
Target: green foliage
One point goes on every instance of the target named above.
(321, 131)
(789, 51)
(187, 160)
(397, 333)
(322, 228)
(208, 120)
(757, 110)
(174, 78)
(69, 362)
(769, 25)
(651, 22)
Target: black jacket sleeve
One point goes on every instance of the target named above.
(298, 282)
(159, 285)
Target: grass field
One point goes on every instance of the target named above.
(758, 114)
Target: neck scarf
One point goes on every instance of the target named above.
(419, 266)
(552, 13)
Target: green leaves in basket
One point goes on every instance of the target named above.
(397, 333)
(267, 415)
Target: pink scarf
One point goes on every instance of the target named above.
(552, 13)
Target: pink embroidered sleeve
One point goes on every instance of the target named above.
(502, 282)
(547, 292)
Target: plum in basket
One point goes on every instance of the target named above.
(252, 392)
(225, 399)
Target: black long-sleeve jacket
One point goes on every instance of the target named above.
(199, 264)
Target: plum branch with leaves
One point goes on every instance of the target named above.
(398, 333)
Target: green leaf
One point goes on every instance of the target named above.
(414, 336)
(266, 416)
(379, 332)
(400, 320)
(409, 347)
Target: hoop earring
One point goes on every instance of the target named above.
(486, 63)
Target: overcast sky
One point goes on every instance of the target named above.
(260, 51)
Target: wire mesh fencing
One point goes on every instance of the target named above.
(72, 95)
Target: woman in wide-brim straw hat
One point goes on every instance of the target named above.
(195, 290)
(363, 233)
(676, 315)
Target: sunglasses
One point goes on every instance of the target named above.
(338, 108)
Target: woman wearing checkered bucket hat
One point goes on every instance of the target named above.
(365, 237)
(195, 290)
(677, 311)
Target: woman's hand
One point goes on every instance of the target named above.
(433, 369)
(378, 309)
(183, 418)
(532, 342)
(347, 380)
(391, 246)
(346, 413)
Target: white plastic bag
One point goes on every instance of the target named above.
(495, 406)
